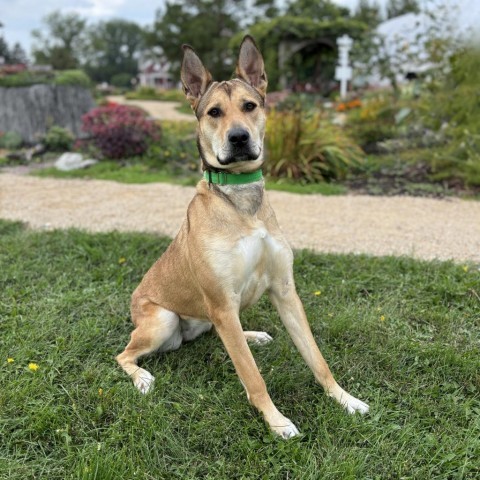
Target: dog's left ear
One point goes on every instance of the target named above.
(250, 66)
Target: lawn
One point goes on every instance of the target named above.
(401, 334)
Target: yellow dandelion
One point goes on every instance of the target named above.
(100, 392)
(33, 367)
(122, 260)
(317, 293)
(465, 268)
(10, 360)
(382, 318)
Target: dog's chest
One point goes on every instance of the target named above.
(251, 264)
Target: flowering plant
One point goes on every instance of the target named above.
(120, 131)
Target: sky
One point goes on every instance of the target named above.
(20, 17)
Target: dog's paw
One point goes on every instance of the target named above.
(355, 405)
(286, 431)
(258, 338)
(351, 404)
(143, 380)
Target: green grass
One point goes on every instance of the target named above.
(143, 173)
(323, 188)
(64, 298)
(132, 173)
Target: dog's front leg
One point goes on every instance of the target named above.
(227, 324)
(293, 316)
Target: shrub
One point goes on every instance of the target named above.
(120, 131)
(303, 101)
(304, 146)
(122, 80)
(452, 107)
(151, 93)
(58, 139)
(65, 77)
(73, 77)
(10, 140)
(26, 79)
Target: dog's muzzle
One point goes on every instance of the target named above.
(240, 147)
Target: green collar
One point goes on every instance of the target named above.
(226, 178)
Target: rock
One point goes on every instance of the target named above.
(73, 161)
(35, 151)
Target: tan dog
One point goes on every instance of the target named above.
(230, 249)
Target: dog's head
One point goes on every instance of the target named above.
(231, 114)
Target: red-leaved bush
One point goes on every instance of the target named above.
(120, 131)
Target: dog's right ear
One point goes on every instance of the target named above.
(195, 77)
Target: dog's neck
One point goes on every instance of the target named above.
(246, 198)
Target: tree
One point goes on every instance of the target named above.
(207, 25)
(395, 8)
(61, 46)
(18, 54)
(4, 50)
(317, 9)
(266, 9)
(368, 12)
(112, 49)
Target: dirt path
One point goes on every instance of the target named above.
(158, 110)
(419, 227)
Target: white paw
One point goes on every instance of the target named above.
(258, 338)
(353, 405)
(286, 431)
(143, 380)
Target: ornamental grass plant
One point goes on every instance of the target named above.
(305, 147)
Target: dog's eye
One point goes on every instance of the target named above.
(249, 106)
(214, 112)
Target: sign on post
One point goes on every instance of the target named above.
(343, 71)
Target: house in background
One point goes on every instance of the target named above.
(154, 70)
(405, 36)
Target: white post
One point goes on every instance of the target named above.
(343, 72)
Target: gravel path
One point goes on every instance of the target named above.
(419, 227)
(156, 109)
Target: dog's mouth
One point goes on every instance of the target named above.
(239, 156)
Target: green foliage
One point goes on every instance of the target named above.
(395, 8)
(369, 12)
(122, 80)
(73, 78)
(374, 121)
(65, 77)
(207, 25)
(66, 30)
(58, 139)
(26, 79)
(268, 35)
(453, 107)
(10, 140)
(400, 334)
(316, 9)
(306, 147)
(151, 93)
(111, 49)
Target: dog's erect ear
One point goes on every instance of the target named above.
(250, 66)
(195, 77)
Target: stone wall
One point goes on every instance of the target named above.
(31, 111)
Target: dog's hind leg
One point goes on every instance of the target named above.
(257, 338)
(156, 329)
(192, 328)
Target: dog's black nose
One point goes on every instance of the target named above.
(238, 137)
